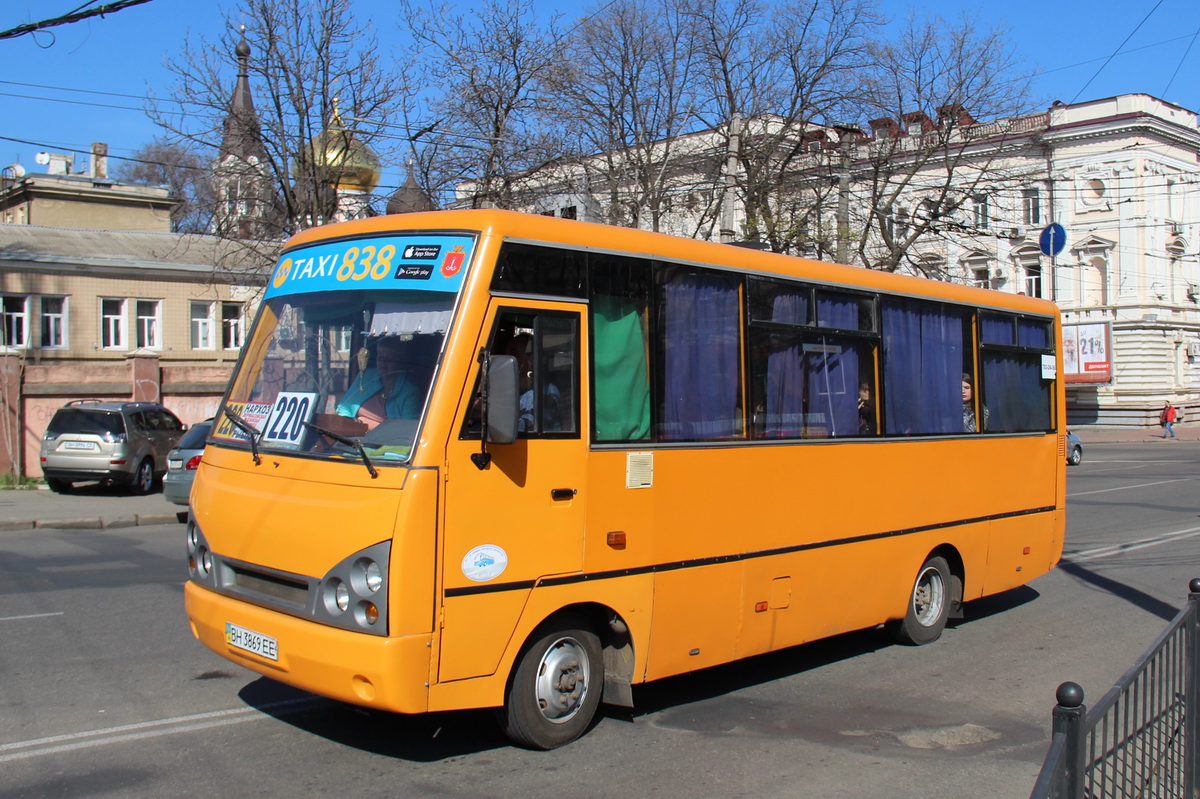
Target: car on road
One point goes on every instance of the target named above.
(183, 461)
(1074, 449)
(114, 443)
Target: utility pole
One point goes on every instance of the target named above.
(846, 141)
(729, 196)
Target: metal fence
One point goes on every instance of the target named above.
(1140, 740)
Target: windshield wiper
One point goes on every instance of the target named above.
(248, 429)
(350, 442)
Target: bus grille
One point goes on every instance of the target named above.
(271, 587)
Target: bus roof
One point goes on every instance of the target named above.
(616, 239)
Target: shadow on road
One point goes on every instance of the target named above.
(438, 736)
(1133, 596)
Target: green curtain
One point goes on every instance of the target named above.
(622, 410)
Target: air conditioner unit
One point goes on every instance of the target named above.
(1193, 349)
(1015, 232)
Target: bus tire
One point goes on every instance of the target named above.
(928, 604)
(555, 690)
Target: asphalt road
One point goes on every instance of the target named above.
(104, 692)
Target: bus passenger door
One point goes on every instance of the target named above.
(520, 518)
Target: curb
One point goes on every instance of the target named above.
(139, 520)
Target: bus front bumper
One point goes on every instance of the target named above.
(374, 671)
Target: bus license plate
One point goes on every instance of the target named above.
(250, 641)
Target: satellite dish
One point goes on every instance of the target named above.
(42, 158)
(16, 170)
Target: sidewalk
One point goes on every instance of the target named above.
(1184, 431)
(87, 506)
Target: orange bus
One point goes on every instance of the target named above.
(481, 459)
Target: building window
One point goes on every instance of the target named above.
(570, 212)
(16, 321)
(1033, 280)
(232, 328)
(202, 326)
(981, 212)
(980, 278)
(149, 323)
(112, 323)
(54, 322)
(1031, 206)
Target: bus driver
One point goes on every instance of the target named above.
(383, 392)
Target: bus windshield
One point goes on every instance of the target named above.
(342, 367)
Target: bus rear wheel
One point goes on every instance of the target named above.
(553, 695)
(928, 605)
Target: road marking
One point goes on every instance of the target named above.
(1126, 488)
(21, 750)
(31, 616)
(1130, 546)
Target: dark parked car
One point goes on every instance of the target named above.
(115, 443)
(1074, 449)
(183, 461)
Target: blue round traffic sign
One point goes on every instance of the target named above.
(1053, 239)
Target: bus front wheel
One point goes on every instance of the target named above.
(553, 695)
(928, 604)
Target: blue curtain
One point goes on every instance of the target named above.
(923, 348)
(812, 381)
(785, 390)
(833, 368)
(1014, 393)
(996, 329)
(701, 327)
(1033, 334)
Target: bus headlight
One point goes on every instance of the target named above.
(353, 594)
(199, 556)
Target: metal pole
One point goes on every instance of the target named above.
(1068, 719)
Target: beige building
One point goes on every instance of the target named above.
(115, 315)
(86, 200)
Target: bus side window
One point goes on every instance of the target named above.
(546, 346)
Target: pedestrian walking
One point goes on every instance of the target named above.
(1167, 419)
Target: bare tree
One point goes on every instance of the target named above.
(775, 77)
(484, 124)
(931, 159)
(323, 90)
(624, 91)
(179, 168)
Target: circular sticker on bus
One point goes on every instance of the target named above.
(484, 562)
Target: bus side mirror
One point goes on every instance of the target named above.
(503, 400)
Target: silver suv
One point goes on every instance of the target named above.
(117, 443)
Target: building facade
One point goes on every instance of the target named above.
(114, 315)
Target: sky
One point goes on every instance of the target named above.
(86, 82)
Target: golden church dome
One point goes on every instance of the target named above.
(351, 164)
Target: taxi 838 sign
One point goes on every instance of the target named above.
(426, 262)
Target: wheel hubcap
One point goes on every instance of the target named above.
(562, 680)
(929, 596)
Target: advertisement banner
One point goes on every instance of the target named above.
(1087, 353)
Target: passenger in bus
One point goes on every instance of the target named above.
(968, 398)
(866, 411)
(382, 391)
(521, 348)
